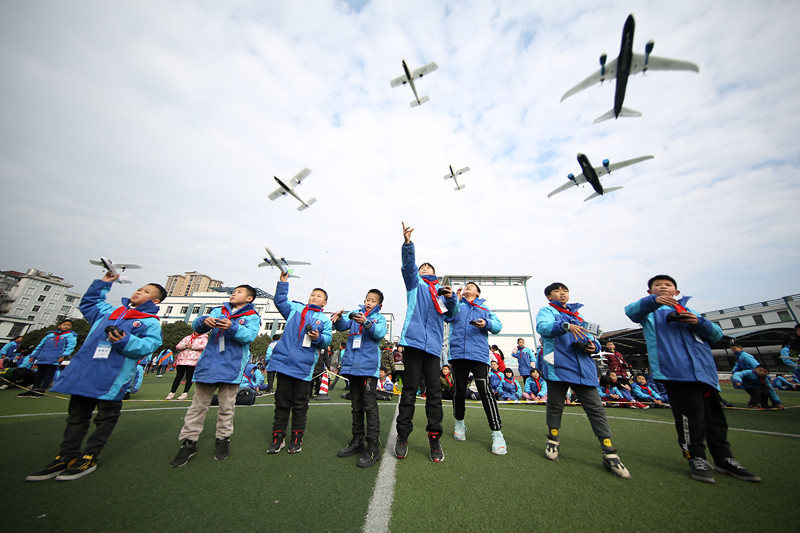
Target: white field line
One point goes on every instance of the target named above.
(379, 513)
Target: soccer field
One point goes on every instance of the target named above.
(134, 489)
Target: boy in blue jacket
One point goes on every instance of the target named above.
(220, 368)
(509, 389)
(744, 361)
(361, 367)
(428, 306)
(756, 383)
(525, 359)
(567, 363)
(49, 354)
(469, 353)
(307, 331)
(98, 374)
(679, 349)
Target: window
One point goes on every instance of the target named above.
(65, 309)
(784, 316)
(31, 317)
(169, 310)
(46, 318)
(18, 311)
(268, 326)
(70, 299)
(759, 320)
(42, 298)
(736, 322)
(196, 310)
(36, 308)
(47, 288)
(16, 330)
(184, 309)
(24, 301)
(51, 306)
(281, 325)
(30, 290)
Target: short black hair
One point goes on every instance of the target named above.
(276, 337)
(553, 286)
(251, 291)
(508, 370)
(658, 277)
(379, 293)
(736, 344)
(66, 320)
(787, 339)
(385, 370)
(323, 291)
(476, 285)
(430, 265)
(162, 292)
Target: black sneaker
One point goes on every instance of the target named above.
(700, 470)
(401, 448)
(371, 454)
(188, 449)
(58, 465)
(86, 464)
(355, 445)
(278, 441)
(731, 466)
(437, 454)
(25, 394)
(296, 446)
(222, 449)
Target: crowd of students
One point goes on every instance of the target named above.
(684, 375)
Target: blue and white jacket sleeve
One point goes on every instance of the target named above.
(638, 311)
(134, 347)
(69, 347)
(409, 268)
(93, 304)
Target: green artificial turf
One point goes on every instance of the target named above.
(134, 489)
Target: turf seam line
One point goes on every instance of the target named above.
(380, 506)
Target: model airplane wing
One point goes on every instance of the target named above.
(400, 80)
(465, 169)
(422, 71)
(125, 266)
(601, 75)
(659, 63)
(563, 188)
(303, 174)
(98, 263)
(601, 170)
(277, 193)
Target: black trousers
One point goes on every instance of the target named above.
(699, 419)
(420, 366)
(292, 397)
(364, 401)
(480, 371)
(270, 380)
(44, 375)
(78, 418)
(183, 371)
(757, 397)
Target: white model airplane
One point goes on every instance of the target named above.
(288, 188)
(409, 77)
(114, 268)
(591, 175)
(454, 175)
(272, 260)
(624, 65)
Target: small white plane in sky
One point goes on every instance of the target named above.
(114, 268)
(281, 263)
(409, 77)
(288, 188)
(624, 65)
(591, 175)
(454, 175)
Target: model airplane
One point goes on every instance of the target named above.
(591, 175)
(272, 260)
(624, 65)
(409, 77)
(114, 268)
(288, 188)
(454, 175)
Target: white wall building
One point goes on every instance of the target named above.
(33, 300)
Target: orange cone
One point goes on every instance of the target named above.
(323, 388)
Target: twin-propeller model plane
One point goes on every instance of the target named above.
(114, 268)
(409, 77)
(288, 188)
(281, 263)
(454, 176)
(591, 175)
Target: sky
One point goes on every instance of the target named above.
(149, 132)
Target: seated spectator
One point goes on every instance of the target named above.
(643, 393)
(656, 386)
(509, 389)
(616, 363)
(610, 394)
(447, 383)
(253, 379)
(385, 386)
(497, 355)
(621, 384)
(535, 388)
(495, 376)
(781, 383)
(756, 383)
(472, 389)
(789, 358)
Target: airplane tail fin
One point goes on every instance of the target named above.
(624, 112)
(422, 100)
(123, 280)
(460, 187)
(605, 191)
(306, 205)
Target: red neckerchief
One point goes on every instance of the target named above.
(447, 377)
(473, 304)
(58, 335)
(227, 314)
(434, 295)
(567, 311)
(128, 314)
(301, 331)
(537, 383)
(680, 309)
(250, 381)
(646, 388)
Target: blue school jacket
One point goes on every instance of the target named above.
(566, 363)
(136, 381)
(509, 389)
(54, 346)
(495, 378)
(289, 356)
(677, 352)
(524, 358)
(366, 360)
(424, 325)
(95, 374)
(744, 361)
(227, 351)
(536, 388)
(470, 342)
(9, 349)
(750, 380)
(253, 377)
(644, 393)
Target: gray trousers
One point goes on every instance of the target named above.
(196, 414)
(590, 401)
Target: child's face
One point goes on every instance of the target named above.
(240, 296)
(663, 287)
(371, 302)
(509, 374)
(494, 366)
(736, 350)
(762, 372)
(144, 294)
(382, 374)
(641, 380)
(613, 376)
(317, 298)
(611, 347)
(426, 270)
(445, 370)
(521, 343)
(534, 373)
(65, 326)
(560, 295)
(470, 291)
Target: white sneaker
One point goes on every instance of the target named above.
(612, 462)
(183, 396)
(460, 431)
(170, 396)
(498, 443)
(551, 449)
(4, 386)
